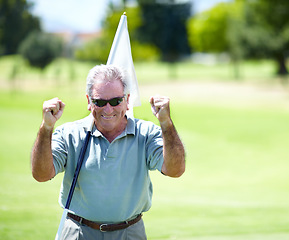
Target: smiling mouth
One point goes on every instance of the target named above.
(107, 117)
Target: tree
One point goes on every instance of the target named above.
(40, 49)
(244, 29)
(164, 25)
(207, 30)
(267, 31)
(15, 24)
(216, 31)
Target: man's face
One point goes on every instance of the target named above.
(109, 118)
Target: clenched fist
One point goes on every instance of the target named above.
(52, 111)
(160, 106)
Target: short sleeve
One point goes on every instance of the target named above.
(154, 148)
(59, 150)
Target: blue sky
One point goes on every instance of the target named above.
(84, 15)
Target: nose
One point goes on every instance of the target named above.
(108, 108)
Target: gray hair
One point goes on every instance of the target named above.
(106, 73)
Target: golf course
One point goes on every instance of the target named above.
(235, 132)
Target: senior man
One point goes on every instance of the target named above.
(114, 187)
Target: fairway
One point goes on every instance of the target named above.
(235, 186)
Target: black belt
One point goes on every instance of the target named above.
(103, 227)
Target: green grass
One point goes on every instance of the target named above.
(235, 186)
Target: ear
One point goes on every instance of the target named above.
(127, 101)
(88, 103)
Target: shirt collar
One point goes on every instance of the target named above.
(87, 122)
(130, 127)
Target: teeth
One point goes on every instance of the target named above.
(107, 117)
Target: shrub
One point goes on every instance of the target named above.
(40, 49)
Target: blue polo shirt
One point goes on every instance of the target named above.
(114, 183)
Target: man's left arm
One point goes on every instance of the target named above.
(173, 150)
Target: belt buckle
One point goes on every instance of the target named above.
(101, 226)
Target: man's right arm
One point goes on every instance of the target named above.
(41, 156)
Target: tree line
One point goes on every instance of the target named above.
(161, 30)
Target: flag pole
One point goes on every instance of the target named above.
(73, 184)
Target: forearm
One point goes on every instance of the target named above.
(41, 157)
(173, 152)
(173, 149)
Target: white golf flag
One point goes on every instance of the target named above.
(120, 55)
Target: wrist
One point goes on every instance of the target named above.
(166, 124)
(46, 127)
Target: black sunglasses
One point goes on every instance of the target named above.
(113, 102)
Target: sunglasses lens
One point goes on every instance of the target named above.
(99, 102)
(115, 101)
